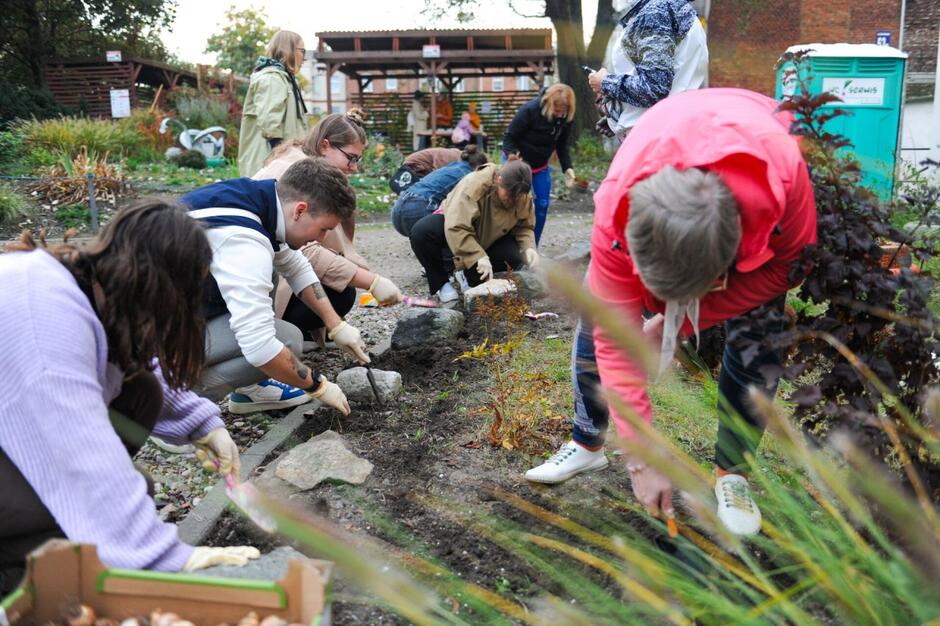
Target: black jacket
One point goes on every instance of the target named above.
(535, 138)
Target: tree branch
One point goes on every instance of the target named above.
(512, 6)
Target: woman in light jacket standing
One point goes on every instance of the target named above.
(274, 107)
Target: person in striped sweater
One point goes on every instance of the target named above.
(99, 349)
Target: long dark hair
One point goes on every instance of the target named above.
(150, 263)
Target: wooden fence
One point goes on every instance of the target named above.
(387, 113)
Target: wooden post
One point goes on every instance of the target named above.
(433, 116)
(329, 87)
(361, 85)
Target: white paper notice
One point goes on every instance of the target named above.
(856, 91)
(120, 103)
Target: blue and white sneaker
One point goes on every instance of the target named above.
(268, 395)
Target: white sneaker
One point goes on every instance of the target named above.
(268, 395)
(462, 280)
(736, 509)
(447, 293)
(570, 460)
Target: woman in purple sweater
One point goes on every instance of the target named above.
(83, 332)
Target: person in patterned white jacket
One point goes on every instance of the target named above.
(662, 51)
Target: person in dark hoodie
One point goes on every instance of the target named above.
(540, 128)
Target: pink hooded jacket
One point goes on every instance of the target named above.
(742, 137)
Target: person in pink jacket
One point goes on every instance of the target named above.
(704, 212)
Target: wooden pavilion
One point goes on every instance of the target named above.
(87, 82)
(445, 55)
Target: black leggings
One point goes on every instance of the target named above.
(27, 523)
(300, 315)
(430, 246)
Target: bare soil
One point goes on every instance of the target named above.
(419, 445)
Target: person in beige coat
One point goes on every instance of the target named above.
(487, 222)
(340, 139)
(274, 108)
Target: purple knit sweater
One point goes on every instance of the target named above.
(54, 424)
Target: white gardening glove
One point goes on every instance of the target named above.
(330, 394)
(348, 340)
(531, 258)
(495, 287)
(218, 446)
(204, 556)
(385, 291)
(485, 268)
(570, 177)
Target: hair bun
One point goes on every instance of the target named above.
(513, 157)
(356, 116)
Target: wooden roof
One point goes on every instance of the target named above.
(462, 52)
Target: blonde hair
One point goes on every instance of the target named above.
(282, 48)
(558, 91)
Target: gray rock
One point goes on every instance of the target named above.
(355, 384)
(529, 284)
(324, 457)
(421, 327)
(271, 566)
(579, 251)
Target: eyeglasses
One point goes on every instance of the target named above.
(352, 158)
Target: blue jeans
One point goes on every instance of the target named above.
(408, 211)
(740, 427)
(542, 190)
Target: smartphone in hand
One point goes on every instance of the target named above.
(587, 70)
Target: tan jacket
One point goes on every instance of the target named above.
(335, 260)
(474, 218)
(270, 112)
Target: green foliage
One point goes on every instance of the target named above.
(69, 134)
(241, 40)
(200, 109)
(32, 31)
(12, 152)
(13, 205)
(24, 102)
(193, 159)
(74, 215)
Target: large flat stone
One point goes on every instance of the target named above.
(355, 384)
(324, 457)
(422, 327)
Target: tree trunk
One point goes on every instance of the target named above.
(567, 19)
(603, 29)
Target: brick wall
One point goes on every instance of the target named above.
(746, 37)
(920, 34)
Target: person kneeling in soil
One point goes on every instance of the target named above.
(704, 213)
(100, 346)
(487, 223)
(419, 164)
(423, 198)
(340, 139)
(254, 228)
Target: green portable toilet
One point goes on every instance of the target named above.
(870, 81)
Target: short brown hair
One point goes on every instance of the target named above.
(515, 176)
(321, 185)
(282, 48)
(340, 129)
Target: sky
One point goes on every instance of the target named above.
(197, 20)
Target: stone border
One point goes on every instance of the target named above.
(196, 526)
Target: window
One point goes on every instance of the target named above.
(391, 84)
(369, 87)
(523, 83)
(460, 87)
(498, 84)
(337, 83)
